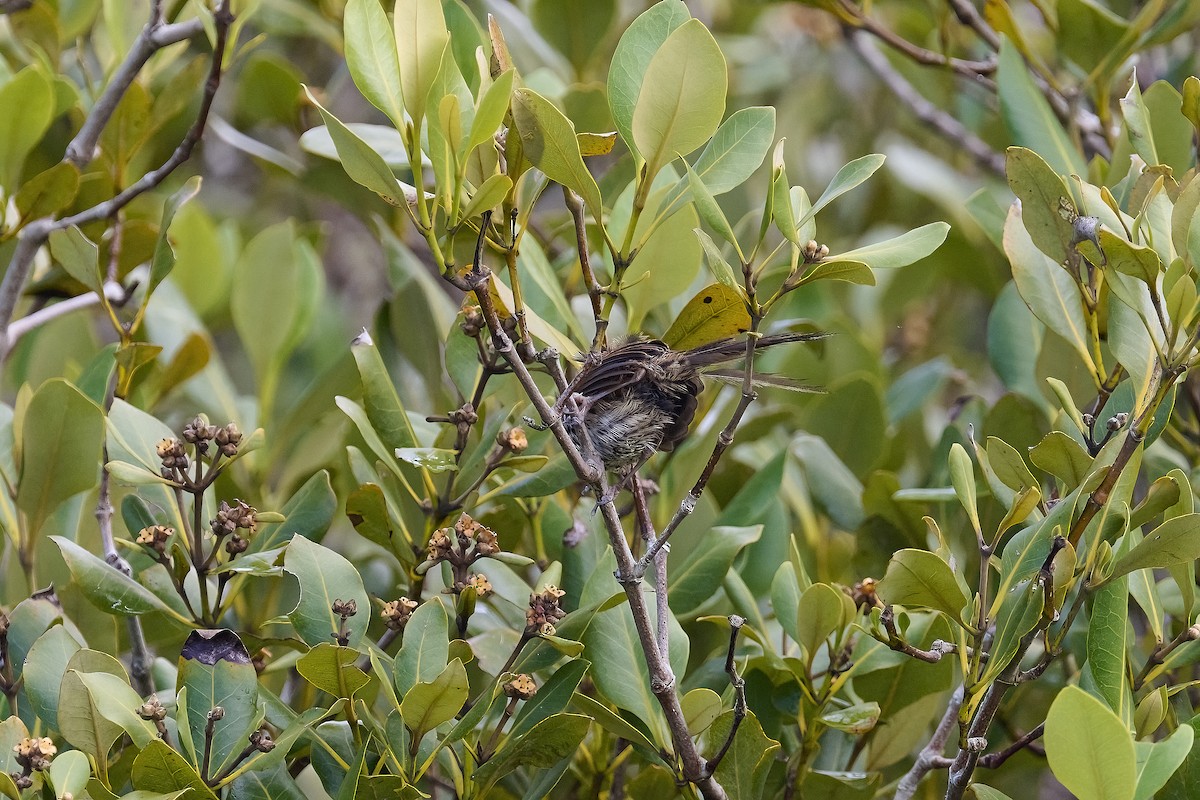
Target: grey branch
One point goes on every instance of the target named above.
(942, 123)
(153, 37)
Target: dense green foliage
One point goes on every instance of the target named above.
(289, 509)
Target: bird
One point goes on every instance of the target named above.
(640, 396)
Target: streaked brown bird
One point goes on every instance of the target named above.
(640, 396)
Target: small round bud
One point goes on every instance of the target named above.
(472, 322)
(228, 438)
(152, 710)
(217, 714)
(237, 545)
(1088, 420)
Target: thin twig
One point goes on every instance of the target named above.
(969, 16)
(942, 123)
(994, 760)
(575, 206)
(896, 642)
(739, 691)
(976, 71)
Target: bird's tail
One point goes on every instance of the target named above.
(723, 351)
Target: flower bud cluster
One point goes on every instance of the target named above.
(155, 537)
(230, 520)
(521, 687)
(463, 545)
(544, 611)
(396, 613)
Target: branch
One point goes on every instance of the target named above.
(942, 123)
(646, 528)
(976, 71)
(575, 206)
(967, 15)
(81, 149)
(896, 642)
(994, 760)
(114, 292)
(931, 757)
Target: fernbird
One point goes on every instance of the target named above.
(640, 396)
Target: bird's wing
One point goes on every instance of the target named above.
(619, 368)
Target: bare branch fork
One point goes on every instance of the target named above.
(156, 35)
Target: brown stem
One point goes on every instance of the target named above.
(896, 642)
(645, 527)
(993, 760)
(1160, 653)
(739, 692)
(575, 206)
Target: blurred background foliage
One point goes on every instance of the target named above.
(282, 260)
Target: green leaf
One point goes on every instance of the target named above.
(708, 209)
(700, 707)
(1176, 541)
(682, 98)
(901, 250)
(425, 648)
(920, 579)
(716, 312)
(78, 720)
(215, 668)
(856, 719)
(384, 140)
(821, 613)
(1044, 197)
(1062, 457)
(70, 773)
(31, 92)
(433, 459)
(421, 37)
(489, 195)
(548, 138)
(962, 476)
(108, 588)
(115, 700)
(720, 268)
(489, 113)
(164, 254)
(78, 255)
(552, 739)
(1051, 294)
(1158, 761)
(48, 192)
(428, 704)
(44, 668)
(279, 265)
(362, 163)
(1030, 121)
(848, 177)
(641, 40)
(743, 771)
(1106, 635)
(158, 768)
(1088, 747)
(331, 668)
(325, 576)
(371, 57)
(837, 269)
(703, 568)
